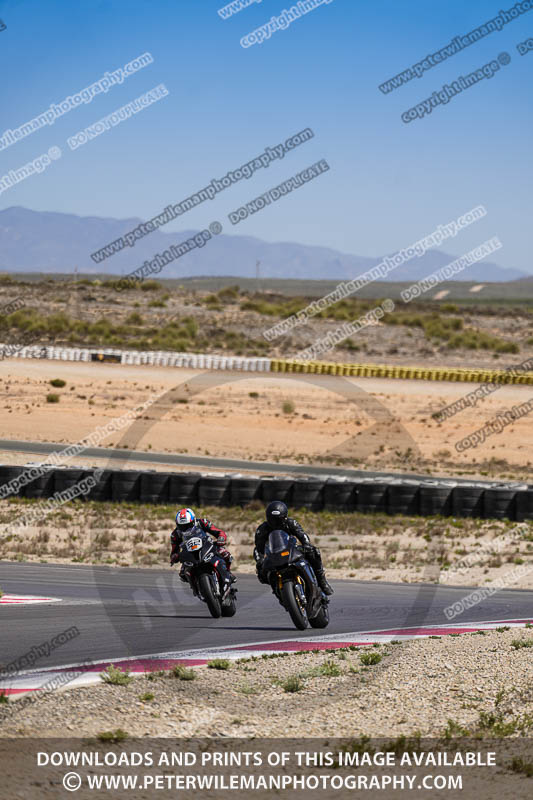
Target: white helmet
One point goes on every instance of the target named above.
(185, 519)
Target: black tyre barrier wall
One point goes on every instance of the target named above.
(368, 495)
(403, 497)
(308, 494)
(340, 496)
(125, 486)
(276, 489)
(372, 496)
(154, 487)
(102, 491)
(499, 503)
(436, 498)
(41, 487)
(66, 478)
(183, 488)
(524, 505)
(213, 490)
(244, 490)
(467, 500)
(8, 473)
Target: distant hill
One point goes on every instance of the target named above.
(43, 241)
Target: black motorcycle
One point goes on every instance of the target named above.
(207, 573)
(294, 582)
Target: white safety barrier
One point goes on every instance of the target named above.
(139, 358)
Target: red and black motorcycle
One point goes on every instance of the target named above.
(207, 573)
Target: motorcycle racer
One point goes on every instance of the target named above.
(185, 520)
(277, 519)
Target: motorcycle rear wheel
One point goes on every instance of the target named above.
(206, 588)
(290, 601)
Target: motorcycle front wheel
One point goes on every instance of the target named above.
(206, 588)
(322, 618)
(229, 606)
(296, 610)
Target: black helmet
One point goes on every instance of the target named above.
(276, 513)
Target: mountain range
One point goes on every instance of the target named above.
(45, 241)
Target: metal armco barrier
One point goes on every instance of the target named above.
(411, 497)
(206, 361)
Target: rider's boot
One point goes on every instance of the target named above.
(323, 582)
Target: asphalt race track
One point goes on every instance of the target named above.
(126, 612)
(209, 463)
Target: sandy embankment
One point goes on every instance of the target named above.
(368, 423)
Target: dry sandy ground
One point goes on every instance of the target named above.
(369, 423)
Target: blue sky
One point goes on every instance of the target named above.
(389, 183)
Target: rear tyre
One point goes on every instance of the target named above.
(322, 618)
(229, 606)
(206, 588)
(293, 606)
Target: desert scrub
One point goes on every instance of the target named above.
(116, 676)
(183, 674)
(370, 658)
(112, 737)
(517, 644)
(58, 383)
(293, 684)
(52, 398)
(219, 663)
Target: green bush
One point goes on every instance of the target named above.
(219, 663)
(519, 643)
(58, 383)
(52, 398)
(116, 676)
(112, 737)
(183, 673)
(369, 658)
(293, 684)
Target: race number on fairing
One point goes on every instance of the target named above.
(194, 544)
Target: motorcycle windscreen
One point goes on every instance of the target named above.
(278, 541)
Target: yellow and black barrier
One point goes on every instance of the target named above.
(389, 371)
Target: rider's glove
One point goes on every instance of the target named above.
(222, 538)
(174, 559)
